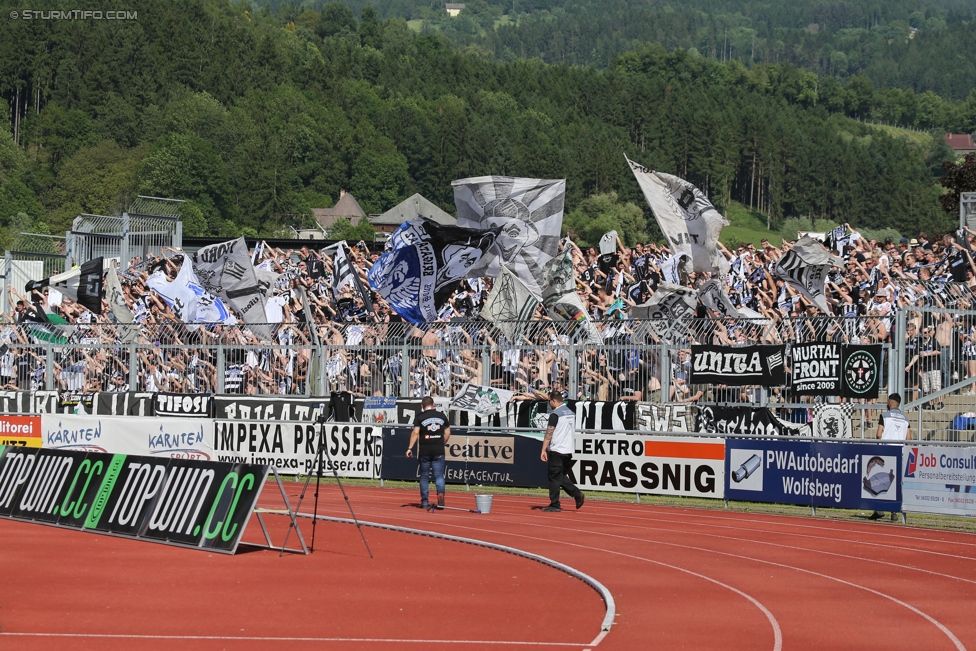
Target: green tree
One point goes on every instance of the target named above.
(336, 18)
(370, 31)
(343, 229)
(601, 214)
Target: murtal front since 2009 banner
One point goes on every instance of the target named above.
(185, 502)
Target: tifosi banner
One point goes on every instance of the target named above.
(843, 475)
(351, 449)
(24, 431)
(181, 438)
(658, 465)
(472, 458)
(738, 366)
(816, 369)
(181, 404)
(939, 480)
(184, 502)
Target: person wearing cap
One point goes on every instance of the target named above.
(893, 425)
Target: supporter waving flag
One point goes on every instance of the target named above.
(687, 218)
(225, 271)
(804, 267)
(423, 265)
(82, 284)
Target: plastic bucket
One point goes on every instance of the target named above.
(483, 503)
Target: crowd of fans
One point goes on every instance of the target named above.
(367, 349)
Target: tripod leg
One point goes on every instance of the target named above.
(298, 507)
(348, 503)
(318, 480)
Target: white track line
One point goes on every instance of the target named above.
(601, 589)
(777, 631)
(257, 638)
(958, 644)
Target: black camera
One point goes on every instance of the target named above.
(321, 418)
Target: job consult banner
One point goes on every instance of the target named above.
(186, 502)
(351, 449)
(844, 475)
(656, 465)
(182, 438)
(472, 457)
(939, 480)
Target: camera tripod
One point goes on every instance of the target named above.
(321, 447)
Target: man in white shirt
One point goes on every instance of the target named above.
(557, 451)
(893, 425)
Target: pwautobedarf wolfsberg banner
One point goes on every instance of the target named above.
(816, 369)
(738, 366)
(353, 450)
(656, 465)
(861, 371)
(472, 457)
(842, 475)
(197, 504)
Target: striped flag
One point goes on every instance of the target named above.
(342, 270)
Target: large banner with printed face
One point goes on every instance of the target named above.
(656, 465)
(185, 502)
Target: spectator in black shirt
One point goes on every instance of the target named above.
(433, 431)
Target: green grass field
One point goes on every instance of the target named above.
(746, 227)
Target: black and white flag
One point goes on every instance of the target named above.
(484, 401)
(510, 305)
(805, 268)
(670, 310)
(342, 269)
(608, 243)
(712, 295)
(526, 215)
(82, 285)
(738, 366)
(225, 271)
(687, 218)
(674, 269)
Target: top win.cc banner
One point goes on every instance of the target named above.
(184, 502)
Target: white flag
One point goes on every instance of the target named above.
(563, 303)
(510, 304)
(687, 218)
(527, 215)
(484, 401)
(190, 301)
(805, 267)
(608, 243)
(712, 295)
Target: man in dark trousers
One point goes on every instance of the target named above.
(557, 451)
(433, 431)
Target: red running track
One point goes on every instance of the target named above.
(681, 578)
